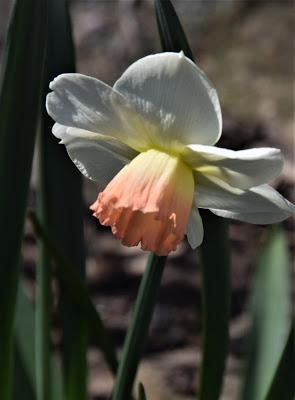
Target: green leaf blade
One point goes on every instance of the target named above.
(141, 392)
(270, 312)
(43, 325)
(170, 30)
(77, 291)
(26, 348)
(62, 206)
(20, 90)
(215, 264)
(283, 383)
(22, 385)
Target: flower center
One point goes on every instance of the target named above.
(148, 202)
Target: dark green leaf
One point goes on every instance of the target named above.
(138, 330)
(215, 262)
(25, 336)
(141, 392)
(22, 385)
(20, 89)
(61, 209)
(170, 30)
(43, 325)
(270, 314)
(283, 383)
(25, 345)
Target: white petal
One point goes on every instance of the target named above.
(243, 169)
(194, 229)
(83, 102)
(97, 159)
(173, 94)
(259, 205)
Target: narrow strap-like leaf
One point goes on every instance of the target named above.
(214, 250)
(22, 385)
(270, 314)
(43, 325)
(215, 264)
(77, 291)
(170, 30)
(20, 90)
(25, 348)
(141, 392)
(61, 204)
(138, 330)
(283, 383)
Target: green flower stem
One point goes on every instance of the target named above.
(138, 330)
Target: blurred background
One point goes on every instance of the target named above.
(246, 47)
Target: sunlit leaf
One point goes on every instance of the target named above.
(270, 314)
(283, 383)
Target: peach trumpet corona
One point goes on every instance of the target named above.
(148, 202)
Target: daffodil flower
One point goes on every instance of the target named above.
(149, 142)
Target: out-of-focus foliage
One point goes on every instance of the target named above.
(25, 350)
(283, 383)
(270, 317)
(61, 213)
(20, 90)
(80, 299)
